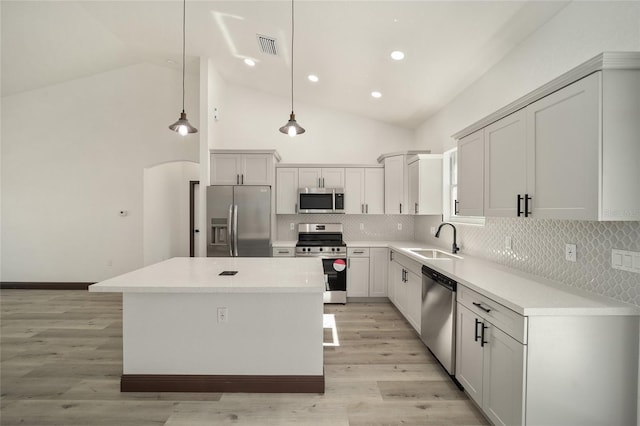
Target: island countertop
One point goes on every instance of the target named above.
(202, 275)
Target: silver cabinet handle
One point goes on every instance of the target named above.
(362, 208)
(283, 251)
(237, 179)
(366, 210)
(416, 208)
(295, 209)
(242, 179)
(400, 208)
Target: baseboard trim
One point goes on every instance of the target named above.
(212, 383)
(11, 285)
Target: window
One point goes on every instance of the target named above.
(450, 191)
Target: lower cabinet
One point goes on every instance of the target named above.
(366, 272)
(283, 251)
(405, 288)
(490, 366)
(563, 369)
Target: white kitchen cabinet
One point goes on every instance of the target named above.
(286, 190)
(241, 168)
(405, 281)
(357, 274)
(395, 185)
(566, 151)
(489, 362)
(364, 190)
(425, 184)
(505, 163)
(283, 251)
(316, 177)
(470, 200)
(378, 263)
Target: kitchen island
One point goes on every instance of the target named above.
(187, 328)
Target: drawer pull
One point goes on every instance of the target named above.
(283, 251)
(358, 251)
(479, 305)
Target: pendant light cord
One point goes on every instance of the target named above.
(184, 19)
(292, 35)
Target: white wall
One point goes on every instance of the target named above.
(73, 156)
(251, 119)
(166, 210)
(577, 33)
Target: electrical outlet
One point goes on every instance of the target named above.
(570, 252)
(399, 227)
(362, 226)
(223, 315)
(292, 226)
(433, 230)
(507, 243)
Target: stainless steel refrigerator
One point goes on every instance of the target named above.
(239, 221)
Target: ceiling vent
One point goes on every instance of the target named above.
(267, 45)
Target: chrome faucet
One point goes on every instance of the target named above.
(454, 247)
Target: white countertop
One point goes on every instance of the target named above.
(526, 294)
(201, 275)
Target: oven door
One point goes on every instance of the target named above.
(335, 271)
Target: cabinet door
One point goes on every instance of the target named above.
(395, 276)
(354, 190)
(503, 378)
(286, 190)
(414, 186)
(374, 190)
(394, 185)
(225, 169)
(469, 353)
(471, 174)
(309, 177)
(378, 262)
(358, 277)
(505, 165)
(414, 300)
(257, 169)
(401, 291)
(563, 136)
(333, 177)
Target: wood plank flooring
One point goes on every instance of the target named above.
(61, 361)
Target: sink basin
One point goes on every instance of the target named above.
(433, 254)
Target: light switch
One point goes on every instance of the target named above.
(616, 259)
(625, 260)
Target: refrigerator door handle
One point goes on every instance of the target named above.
(230, 230)
(235, 231)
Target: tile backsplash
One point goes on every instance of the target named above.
(537, 247)
(374, 227)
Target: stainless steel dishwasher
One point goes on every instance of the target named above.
(439, 316)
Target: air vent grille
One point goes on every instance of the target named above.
(267, 45)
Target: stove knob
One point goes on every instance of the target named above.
(320, 248)
(333, 249)
(304, 249)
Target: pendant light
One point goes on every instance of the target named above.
(292, 128)
(183, 126)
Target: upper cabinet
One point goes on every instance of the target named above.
(364, 190)
(567, 151)
(395, 185)
(316, 177)
(243, 167)
(425, 184)
(470, 200)
(286, 190)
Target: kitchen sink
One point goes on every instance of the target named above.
(433, 254)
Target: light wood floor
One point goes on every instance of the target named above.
(61, 361)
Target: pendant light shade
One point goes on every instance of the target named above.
(292, 128)
(183, 126)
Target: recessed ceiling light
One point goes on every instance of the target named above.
(250, 62)
(397, 55)
(313, 77)
(376, 94)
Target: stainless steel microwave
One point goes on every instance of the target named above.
(321, 200)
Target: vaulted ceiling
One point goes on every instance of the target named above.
(447, 45)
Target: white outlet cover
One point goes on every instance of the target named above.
(570, 252)
(399, 227)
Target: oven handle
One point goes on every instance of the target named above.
(323, 257)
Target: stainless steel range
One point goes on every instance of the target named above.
(325, 241)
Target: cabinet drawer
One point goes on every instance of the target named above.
(357, 252)
(512, 323)
(283, 252)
